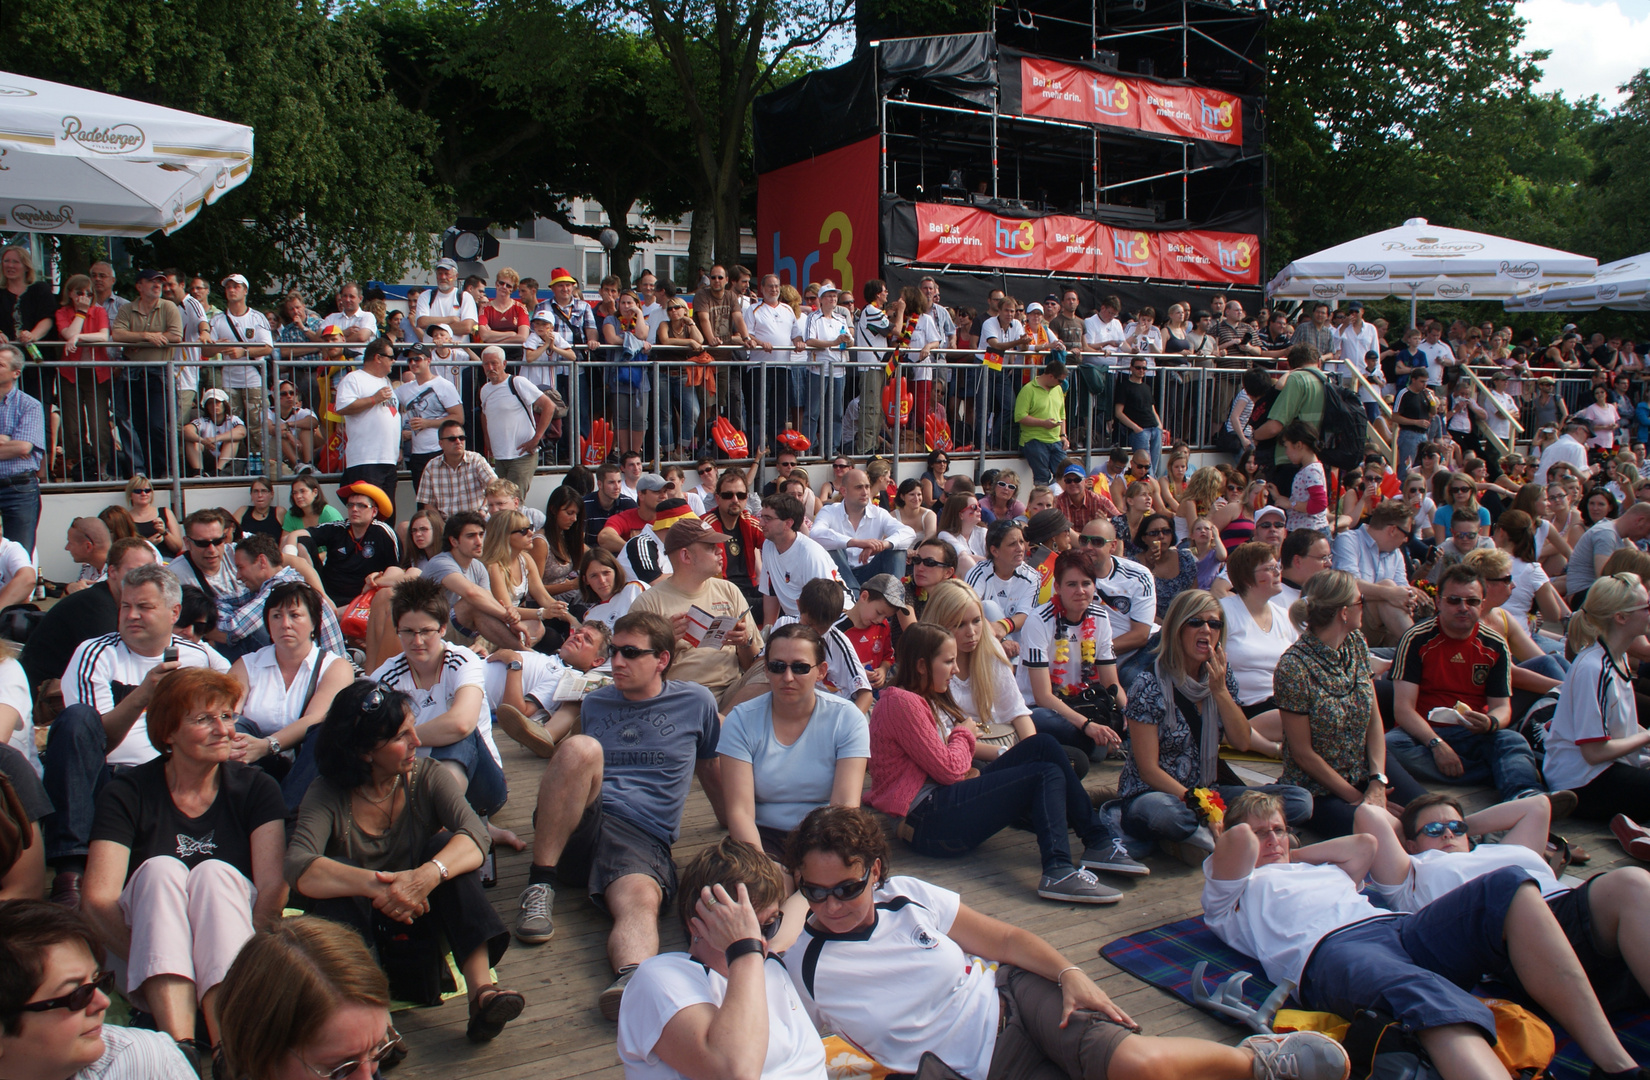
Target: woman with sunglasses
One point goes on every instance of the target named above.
(1001, 502)
(1180, 710)
(932, 563)
(1173, 568)
(792, 749)
(720, 1009)
(960, 526)
(334, 1014)
(154, 523)
(884, 961)
(55, 998)
(1596, 746)
(923, 773)
(909, 509)
(1431, 852)
(1333, 743)
(830, 490)
(1460, 497)
(386, 831)
(1138, 499)
(514, 576)
(185, 857)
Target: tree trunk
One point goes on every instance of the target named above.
(701, 240)
(728, 201)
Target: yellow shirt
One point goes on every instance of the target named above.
(1045, 404)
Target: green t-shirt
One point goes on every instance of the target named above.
(1049, 404)
(329, 512)
(1301, 399)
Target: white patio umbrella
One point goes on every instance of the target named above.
(1623, 285)
(74, 161)
(1420, 259)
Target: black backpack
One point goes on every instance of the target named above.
(1344, 429)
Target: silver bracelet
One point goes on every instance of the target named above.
(1062, 971)
(440, 867)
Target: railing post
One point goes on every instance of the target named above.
(658, 392)
(573, 417)
(171, 397)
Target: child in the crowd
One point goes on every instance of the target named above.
(866, 626)
(1309, 493)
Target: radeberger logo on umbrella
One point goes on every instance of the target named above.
(16, 91)
(1132, 248)
(1520, 270)
(1015, 239)
(113, 139)
(1111, 100)
(1608, 292)
(1366, 272)
(1455, 289)
(1326, 291)
(37, 219)
(1432, 245)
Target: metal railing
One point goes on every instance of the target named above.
(134, 419)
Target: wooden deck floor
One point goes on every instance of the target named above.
(562, 1034)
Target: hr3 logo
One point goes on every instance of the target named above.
(1014, 239)
(1132, 248)
(1234, 256)
(1217, 118)
(1113, 100)
(835, 225)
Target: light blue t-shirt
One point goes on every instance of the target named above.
(792, 780)
(650, 749)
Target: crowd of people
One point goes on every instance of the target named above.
(299, 707)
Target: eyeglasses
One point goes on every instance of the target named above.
(1276, 832)
(1463, 601)
(730, 494)
(78, 999)
(524, 531)
(452, 438)
(632, 652)
(218, 541)
(847, 890)
(796, 667)
(1159, 532)
(206, 720)
(1095, 541)
(930, 563)
(377, 1055)
(414, 633)
(1213, 624)
(1437, 829)
(771, 927)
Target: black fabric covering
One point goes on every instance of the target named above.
(960, 66)
(821, 111)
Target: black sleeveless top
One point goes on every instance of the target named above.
(269, 526)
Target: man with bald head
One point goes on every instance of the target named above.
(863, 538)
(88, 545)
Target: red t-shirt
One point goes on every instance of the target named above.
(874, 645)
(96, 319)
(626, 523)
(506, 321)
(1470, 670)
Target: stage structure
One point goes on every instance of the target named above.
(1117, 146)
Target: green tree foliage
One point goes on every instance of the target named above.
(1613, 222)
(336, 186)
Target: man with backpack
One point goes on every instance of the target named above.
(1307, 395)
(514, 415)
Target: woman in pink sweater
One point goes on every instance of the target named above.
(923, 772)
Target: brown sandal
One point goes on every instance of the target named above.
(491, 1010)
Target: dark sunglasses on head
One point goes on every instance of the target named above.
(1213, 624)
(632, 652)
(1436, 829)
(847, 890)
(797, 667)
(78, 999)
(930, 563)
(215, 542)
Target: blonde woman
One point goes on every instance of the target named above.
(1171, 487)
(1204, 497)
(515, 576)
(1460, 497)
(155, 523)
(1595, 744)
(982, 684)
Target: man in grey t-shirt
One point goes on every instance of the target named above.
(1596, 545)
(610, 802)
(463, 576)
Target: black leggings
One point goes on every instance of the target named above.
(1332, 817)
(1619, 789)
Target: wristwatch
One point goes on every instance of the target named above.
(1380, 778)
(514, 665)
(1434, 741)
(274, 745)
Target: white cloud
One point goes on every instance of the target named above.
(1595, 47)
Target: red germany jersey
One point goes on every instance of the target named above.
(1447, 670)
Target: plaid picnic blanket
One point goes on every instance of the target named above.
(1165, 957)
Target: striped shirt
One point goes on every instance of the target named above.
(459, 668)
(22, 418)
(243, 615)
(134, 1054)
(103, 671)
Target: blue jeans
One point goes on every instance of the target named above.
(891, 561)
(1409, 442)
(301, 771)
(1031, 787)
(1150, 440)
(1502, 758)
(487, 792)
(825, 400)
(1045, 458)
(1135, 664)
(676, 395)
(20, 512)
(1157, 815)
(76, 766)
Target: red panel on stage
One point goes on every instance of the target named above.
(1072, 245)
(962, 234)
(817, 219)
(1130, 253)
(1063, 91)
(1210, 256)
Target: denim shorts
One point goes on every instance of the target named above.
(1420, 968)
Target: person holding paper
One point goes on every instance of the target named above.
(697, 588)
(535, 698)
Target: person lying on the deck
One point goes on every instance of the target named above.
(720, 1009)
(1606, 919)
(892, 964)
(1302, 915)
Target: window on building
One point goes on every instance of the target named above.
(595, 268)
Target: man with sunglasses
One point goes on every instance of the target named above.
(55, 1001)
(348, 556)
(1373, 553)
(1465, 537)
(741, 554)
(1129, 593)
(208, 559)
(457, 478)
(610, 803)
(1078, 500)
(1455, 664)
(694, 547)
(372, 418)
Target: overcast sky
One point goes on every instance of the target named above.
(1596, 45)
